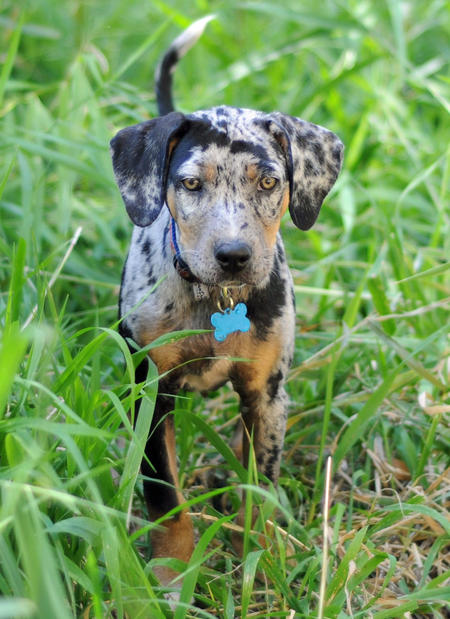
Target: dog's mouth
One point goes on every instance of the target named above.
(234, 284)
(247, 278)
(252, 275)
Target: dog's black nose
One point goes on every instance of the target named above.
(233, 256)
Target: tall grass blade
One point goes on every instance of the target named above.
(11, 56)
(12, 350)
(136, 449)
(358, 426)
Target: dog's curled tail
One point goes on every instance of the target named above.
(166, 67)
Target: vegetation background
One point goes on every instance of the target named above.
(369, 380)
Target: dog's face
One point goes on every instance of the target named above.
(227, 194)
(227, 176)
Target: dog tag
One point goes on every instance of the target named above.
(230, 321)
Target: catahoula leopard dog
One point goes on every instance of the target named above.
(206, 192)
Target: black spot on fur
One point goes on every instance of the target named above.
(273, 385)
(242, 146)
(239, 146)
(309, 168)
(200, 134)
(272, 460)
(265, 305)
(146, 248)
(336, 153)
(318, 152)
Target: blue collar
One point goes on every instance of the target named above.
(180, 265)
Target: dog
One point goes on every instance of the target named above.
(206, 192)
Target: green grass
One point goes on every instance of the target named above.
(369, 380)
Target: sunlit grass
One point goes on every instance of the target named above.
(370, 378)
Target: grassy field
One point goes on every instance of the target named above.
(369, 382)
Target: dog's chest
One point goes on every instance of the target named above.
(213, 376)
(195, 363)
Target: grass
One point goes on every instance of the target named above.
(370, 376)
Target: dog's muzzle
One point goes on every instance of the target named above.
(232, 256)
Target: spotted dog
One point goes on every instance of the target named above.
(206, 192)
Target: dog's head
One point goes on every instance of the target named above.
(227, 176)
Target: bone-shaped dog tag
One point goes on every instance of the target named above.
(230, 321)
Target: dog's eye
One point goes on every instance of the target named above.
(191, 184)
(268, 182)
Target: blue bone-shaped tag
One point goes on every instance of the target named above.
(229, 321)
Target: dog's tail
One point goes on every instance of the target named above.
(166, 67)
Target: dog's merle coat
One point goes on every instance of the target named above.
(226, 176)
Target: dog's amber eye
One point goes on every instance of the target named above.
(191, 184)
(268, 182)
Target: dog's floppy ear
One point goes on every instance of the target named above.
(314, 157)
(140, 156)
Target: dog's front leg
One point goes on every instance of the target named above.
(175, 536)
(264, 423)
(264, 420)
